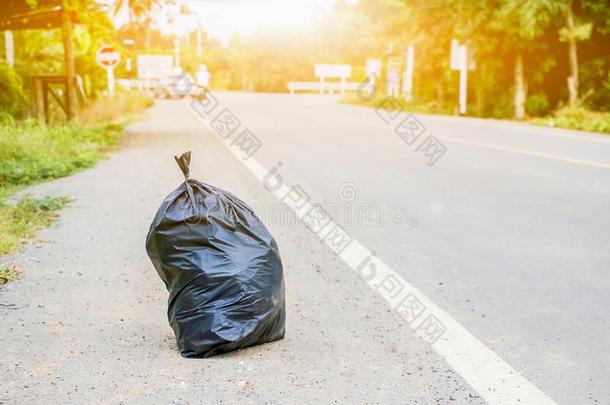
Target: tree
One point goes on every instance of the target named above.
(523, 21)
(572, 33)
(137, 10)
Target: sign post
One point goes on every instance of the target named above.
(407, 83)
(372, 68)
(176, 52)
(463, 58)
(460, 60)
(128, 42)
(393, 76)
(108, 58)
(110, 78)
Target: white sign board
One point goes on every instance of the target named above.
(155, 66)
(460, 60)
(333, 71)
(456, 58)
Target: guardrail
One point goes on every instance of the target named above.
(329, 87)
(140, 84)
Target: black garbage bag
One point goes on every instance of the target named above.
(222, 269)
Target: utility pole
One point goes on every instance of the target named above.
(69, 60)
(176, 52)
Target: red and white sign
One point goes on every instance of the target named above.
(108, 57)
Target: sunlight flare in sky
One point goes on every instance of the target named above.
(222, 19)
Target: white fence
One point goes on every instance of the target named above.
(326, 87)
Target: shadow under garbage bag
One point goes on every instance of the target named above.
(221, 266)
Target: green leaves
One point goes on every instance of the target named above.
(20, 221)
(580, 32)
(12, 93)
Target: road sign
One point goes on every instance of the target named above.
(108, 58)
(151, 67)
(456, 58)
(461, 59)
(333, 71)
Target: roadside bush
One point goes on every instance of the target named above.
(20, 221)
(13, 100)
(31, 152)
(537, 105)
(108, 108)
(578, 118)
(503, 107)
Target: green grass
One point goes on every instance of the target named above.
(577, 118)
(8, 274)
(20, 221)
(31, 152)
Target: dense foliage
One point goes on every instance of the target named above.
(540, 35)
(532, 57)
(12, 93)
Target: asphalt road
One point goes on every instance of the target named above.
(506, 232)
(87, 323)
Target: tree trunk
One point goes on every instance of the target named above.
(440, 92)
(573, 54)
(69, 60)
(520, 88)
(481, 98)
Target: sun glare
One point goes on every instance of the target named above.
(224, 19)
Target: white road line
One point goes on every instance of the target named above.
(550, 156)
(494, 379)
(519, 127)
(525, 128)
(543, 155)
